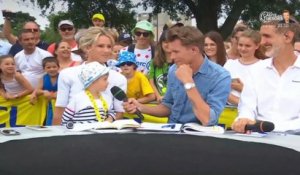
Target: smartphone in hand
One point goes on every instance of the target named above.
(9, 132)
(234, 80)
(8, 14)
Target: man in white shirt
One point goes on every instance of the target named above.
(29, 60)
(274, 92)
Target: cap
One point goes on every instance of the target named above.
(91, 72)
(145, 25)
(126, 57)
(124, 36)
(65, 22)
(98, 16)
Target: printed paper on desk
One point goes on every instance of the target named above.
(169, 127)
(196, 128)
(118, 124)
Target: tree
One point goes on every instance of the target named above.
(208, 12)
(118, 13)
(50, 34)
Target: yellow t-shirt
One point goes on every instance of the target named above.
(138, 86)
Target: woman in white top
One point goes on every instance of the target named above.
(13, 84)
(97, 43)
(251, 53)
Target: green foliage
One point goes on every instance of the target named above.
(208, 12)
(50, 34)
(118, 13)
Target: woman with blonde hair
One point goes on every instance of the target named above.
(97, 44)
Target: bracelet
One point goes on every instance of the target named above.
(111, 117)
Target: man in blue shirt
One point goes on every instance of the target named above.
(16, 45)
(197, 88)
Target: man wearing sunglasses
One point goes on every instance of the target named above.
(67, 32)
(143, 49)
(28, 26)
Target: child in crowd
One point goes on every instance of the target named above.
(250, 55)
(111, 63)
(90, 105)
(159, 67)
(47, 85)
(138, 85)
(13, 84)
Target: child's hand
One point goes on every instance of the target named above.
(159, 98)
(109, 119)
(9, 96)
(47, 94)
(33, 99)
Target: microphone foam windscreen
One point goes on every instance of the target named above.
(118, 93)
(267, 126)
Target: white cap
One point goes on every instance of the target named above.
(67, 22)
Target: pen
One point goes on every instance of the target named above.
(172, 126)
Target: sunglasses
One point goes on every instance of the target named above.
(66, 28)
(127, 63)
(31, 30)
(145, 34)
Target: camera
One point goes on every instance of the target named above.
(8, 14)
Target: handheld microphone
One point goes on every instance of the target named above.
(260, 126)
(119, 94)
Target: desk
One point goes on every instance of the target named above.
(143, 153)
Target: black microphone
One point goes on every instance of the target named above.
(260, 126)
(119, 94)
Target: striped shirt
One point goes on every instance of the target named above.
(80, 109)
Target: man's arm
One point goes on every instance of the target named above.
(200, 108)
(12, 39)
(132, 105)
(247, 108)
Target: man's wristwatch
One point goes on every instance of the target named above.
(188, 86)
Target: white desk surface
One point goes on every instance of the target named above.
(280, 139)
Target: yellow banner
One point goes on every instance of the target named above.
(20, 112)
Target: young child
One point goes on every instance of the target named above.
(47, 85)
(91, 105)
(138, 85)
(13, 84)
(111, 63)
